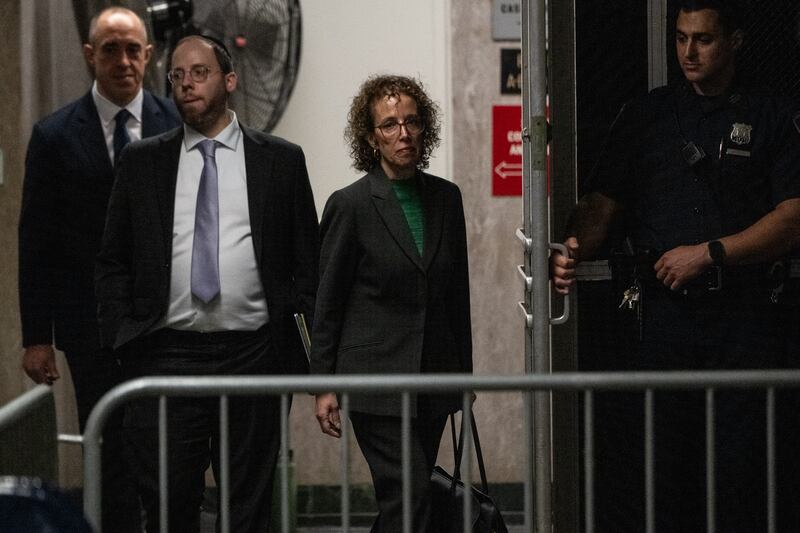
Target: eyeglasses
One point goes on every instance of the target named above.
(198, 74)
(391, 128)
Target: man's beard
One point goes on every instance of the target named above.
(201, 120)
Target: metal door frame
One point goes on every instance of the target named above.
(553, 439)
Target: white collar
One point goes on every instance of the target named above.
(108, 109)
(228, 137)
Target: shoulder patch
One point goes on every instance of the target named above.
(796, 121)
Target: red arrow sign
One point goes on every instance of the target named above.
(507, 150)
(508, 170)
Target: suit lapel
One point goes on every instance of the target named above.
(392, 214)
(258, 165)
(92, 139)
(433, 207)
(153, 121)
(166, 176)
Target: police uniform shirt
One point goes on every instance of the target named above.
(751, 164)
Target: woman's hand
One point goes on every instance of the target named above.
(327, 407)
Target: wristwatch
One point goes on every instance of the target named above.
(717, 252)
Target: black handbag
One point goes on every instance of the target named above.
(448, 492)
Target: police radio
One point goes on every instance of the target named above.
(692, 153)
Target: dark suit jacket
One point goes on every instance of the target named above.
(133, 267)
(381, 308)
(68, 178)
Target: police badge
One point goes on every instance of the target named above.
(740, 133)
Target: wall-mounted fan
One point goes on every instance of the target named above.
(263, 37)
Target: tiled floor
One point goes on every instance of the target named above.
(210, 529)
(511, 529)
(207, 526)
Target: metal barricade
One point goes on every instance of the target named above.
(405, 385)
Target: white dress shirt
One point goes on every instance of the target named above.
(241, 304)
(107, 110)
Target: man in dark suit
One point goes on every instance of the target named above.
(68, 177)
(210, 247)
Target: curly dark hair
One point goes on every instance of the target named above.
(360, 124)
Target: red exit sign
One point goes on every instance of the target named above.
(506, 150)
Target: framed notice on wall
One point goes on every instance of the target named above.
(507, 150)
(511, 71)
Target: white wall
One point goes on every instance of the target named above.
(343, 43)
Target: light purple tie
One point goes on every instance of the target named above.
(205, 248)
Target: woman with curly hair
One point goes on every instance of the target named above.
(394, 290)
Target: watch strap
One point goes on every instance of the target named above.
(717, 252)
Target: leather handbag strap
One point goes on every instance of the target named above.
(481, 467)
(458, 452)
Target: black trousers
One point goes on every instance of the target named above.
(723, 331)
(93, 375)
(193, 428)
(788, 424)
(380, 440)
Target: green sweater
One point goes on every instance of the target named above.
(407, 193)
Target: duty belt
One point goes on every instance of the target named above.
(714, 279)
(636, 275)
(793, 272)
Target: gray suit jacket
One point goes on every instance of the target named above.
(383, 308)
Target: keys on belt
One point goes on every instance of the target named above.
(631, 296)
(632, 302)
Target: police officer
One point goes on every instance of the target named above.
(706, 177)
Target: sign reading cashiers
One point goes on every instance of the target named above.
(507, 150)
(507, 20)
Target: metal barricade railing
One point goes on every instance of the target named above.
(587, 383)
